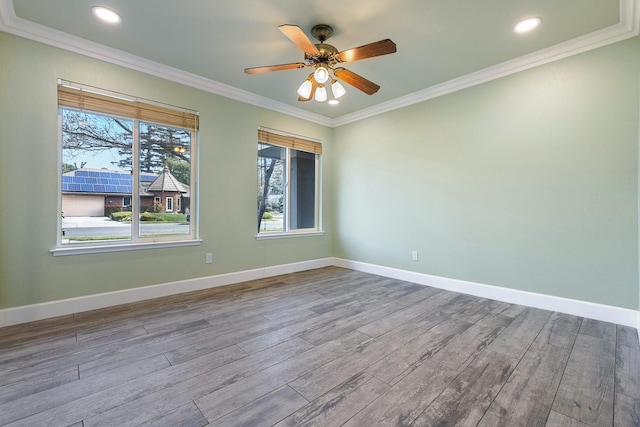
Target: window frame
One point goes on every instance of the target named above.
(287, 231)
(137, 241)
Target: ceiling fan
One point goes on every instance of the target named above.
(325, 59)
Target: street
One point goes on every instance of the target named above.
(76, 227)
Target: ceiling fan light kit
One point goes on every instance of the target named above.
(323, 58)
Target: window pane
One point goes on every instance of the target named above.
(302, 181)
(165, 176)
(96, 177)
(271, 187)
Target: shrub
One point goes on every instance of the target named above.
(121, 216)
(148, 216)
(267, 215)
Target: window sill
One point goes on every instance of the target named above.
(81, 250)
(267, 236)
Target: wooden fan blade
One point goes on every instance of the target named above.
(296, 35)
(382, 47)
(314, 86)
(356, 80)
(269, 68)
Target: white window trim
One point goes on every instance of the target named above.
(169, 204)
(119, 247)
(136, 243)
(317, 230)
(280, 235)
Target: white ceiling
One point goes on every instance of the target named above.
(443, 45)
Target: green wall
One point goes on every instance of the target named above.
(28, 170)
(528, 182)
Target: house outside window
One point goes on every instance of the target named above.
(288, 183)
(120, 158)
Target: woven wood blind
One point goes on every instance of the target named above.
(97, 103)
(289, 141)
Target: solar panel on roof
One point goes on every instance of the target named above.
(91, 180)
(99, 188)
(111, 188)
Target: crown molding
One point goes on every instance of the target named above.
(12, 24)
(629, 26)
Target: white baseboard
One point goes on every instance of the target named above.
(30, 313)
(606, 313)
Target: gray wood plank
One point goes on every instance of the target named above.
(588, 398)
(342, 326)
(401, 362)
(515, 339)
(466, 399)
(69, 393)
(28, 349)
(388, 322)
(627, 362)
(187, 415)
(403, 402)
(463, 347)
(38, 383)
(319, 381)
(229, 398)
(338, 404)
(112, 396)
(560, 331)
(156, 403)
(626, 411)
(558, 420)
(266, 410)
(297, 329)
(528, 394)
(449, 305)
(597, 329)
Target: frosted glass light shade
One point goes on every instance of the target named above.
(305, 89)
(321, 75)
(337, 89)
(321, 93)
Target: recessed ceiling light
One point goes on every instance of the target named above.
(527, 25)
(106, 15)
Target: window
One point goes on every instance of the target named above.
(288, 183)
(120, 158)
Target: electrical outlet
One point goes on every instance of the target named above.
(414, 255)
(209, 258)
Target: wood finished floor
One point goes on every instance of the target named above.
(324, 347)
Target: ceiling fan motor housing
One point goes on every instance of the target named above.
(322, 32)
